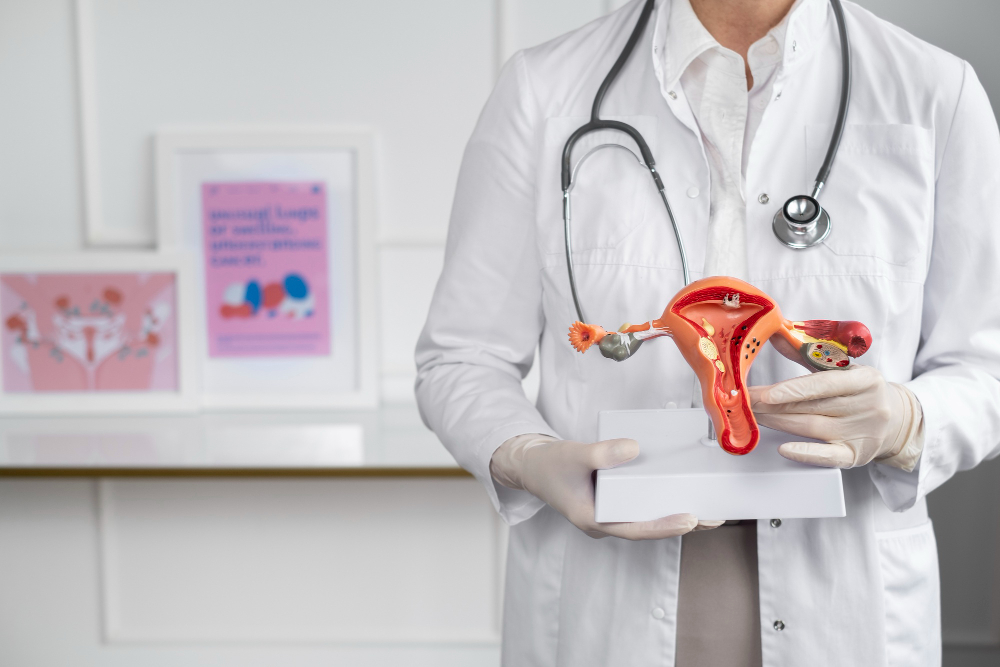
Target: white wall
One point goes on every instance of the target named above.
(417, 74)
(40, 179)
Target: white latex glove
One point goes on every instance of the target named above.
(561, 473)
(859, 416)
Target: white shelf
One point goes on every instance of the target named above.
(383, 442)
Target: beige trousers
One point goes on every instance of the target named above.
(718, 614)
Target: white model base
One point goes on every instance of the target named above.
(675, 472)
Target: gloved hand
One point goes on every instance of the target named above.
(859, 415)
(561, 473)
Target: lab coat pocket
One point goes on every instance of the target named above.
(912, 596)
(880, 192)
(609, 182)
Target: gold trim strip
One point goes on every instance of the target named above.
(25, 471)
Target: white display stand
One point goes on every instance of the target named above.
(675, 472)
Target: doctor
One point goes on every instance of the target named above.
(736, 100)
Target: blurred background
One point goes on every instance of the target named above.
(346, 571)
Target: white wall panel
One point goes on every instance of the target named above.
(966, 513)
(39, 160)
(418, 73)
(50, 591)
(48, 570)
(526, 23)
(356, 560)
(966, 28)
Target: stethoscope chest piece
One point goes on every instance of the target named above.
(801, 222)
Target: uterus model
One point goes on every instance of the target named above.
(719, 325)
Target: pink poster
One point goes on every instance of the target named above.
(266, 272)
(87, 332)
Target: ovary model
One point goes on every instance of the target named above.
(719, 325)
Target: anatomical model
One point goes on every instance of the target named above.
(719, 325)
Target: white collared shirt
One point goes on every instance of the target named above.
(714, 80)
(913, 195)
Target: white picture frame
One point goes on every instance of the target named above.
(186, 159)
(181, 338)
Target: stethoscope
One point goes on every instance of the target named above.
(800, 223)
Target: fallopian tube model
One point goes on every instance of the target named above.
(719, 325)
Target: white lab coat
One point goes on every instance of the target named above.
(914, 254)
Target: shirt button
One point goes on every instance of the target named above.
(779, 626)
(670, 405)
(763, 198)
(693, 192)
(672, 94)
(775, 523)
(772, 47)
(659, 613)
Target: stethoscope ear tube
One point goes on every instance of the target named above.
(593, 126)
(597, 124)
(568, 236)
(845, 98)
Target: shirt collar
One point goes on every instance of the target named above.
(679, 36)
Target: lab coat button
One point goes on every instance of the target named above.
(775, 523)
(658, 613)
(779, 625)
(693, 192)
(763, 198)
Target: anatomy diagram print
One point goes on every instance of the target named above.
(89, 332)
(267, 269)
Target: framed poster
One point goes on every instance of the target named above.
(96, 333)
(281, 227)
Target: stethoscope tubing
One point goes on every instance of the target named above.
(568, 217)
(845, 99)
(594, 125)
